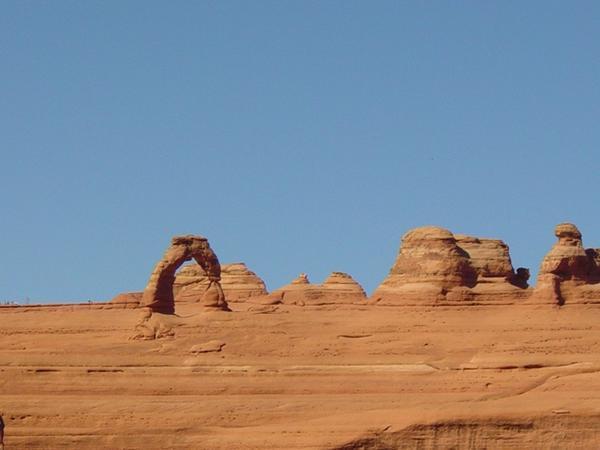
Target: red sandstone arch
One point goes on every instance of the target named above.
(158, 295)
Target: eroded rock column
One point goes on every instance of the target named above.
(567, 269)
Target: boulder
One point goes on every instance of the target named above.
(340, 284)
(594, 256)
(298, 292)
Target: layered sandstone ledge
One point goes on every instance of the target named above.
(303, 378)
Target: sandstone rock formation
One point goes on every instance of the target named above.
(497, 281)
(338, 288)
(238, 283)
(298, 292)
(489, 257)
(594, 255)
(152, 325)
(342, 285)
(191, 282)
(436, 267)
(128, 299)
(568, 273)
(567, 259)
(158, 295)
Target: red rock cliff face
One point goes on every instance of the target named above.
(436, 267)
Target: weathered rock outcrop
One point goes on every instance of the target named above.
(338, 288)
(428, 266)
(342, 284)
(577, 431)
(497, 281)
(128, 299)
(158, 295)
(594, 255)
(431, 254)
(436, 267)
(433, 267)
(489, 257)
(238, 282)
(567, 259)
(568, 273)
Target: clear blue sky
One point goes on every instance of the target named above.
(302, 136)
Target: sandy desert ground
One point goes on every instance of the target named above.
(351, 377)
